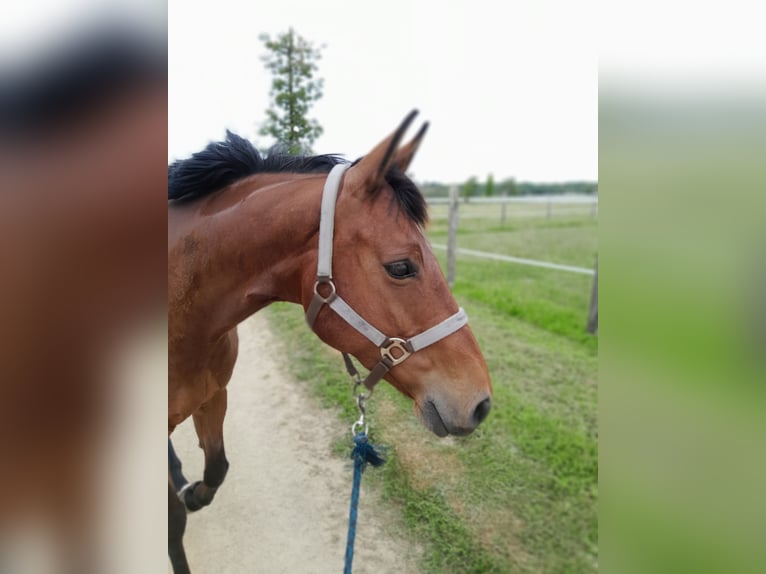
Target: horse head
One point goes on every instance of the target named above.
(383, 267)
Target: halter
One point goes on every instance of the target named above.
(393, 350)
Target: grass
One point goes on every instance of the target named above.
(519, 494)
(556, 301)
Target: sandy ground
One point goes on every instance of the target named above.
(284, 504)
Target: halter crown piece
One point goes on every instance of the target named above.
(393, 350)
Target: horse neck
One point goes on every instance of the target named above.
(257, 240)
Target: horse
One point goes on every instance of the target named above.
(344, 241)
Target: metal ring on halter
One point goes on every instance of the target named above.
(324, 281)
(398, 344)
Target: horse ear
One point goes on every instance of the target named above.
(407, 152)
(369, 173)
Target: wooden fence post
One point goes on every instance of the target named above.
(593, 311)
(452, 234)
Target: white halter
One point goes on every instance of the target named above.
(393, 350)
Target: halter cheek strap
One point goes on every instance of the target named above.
(393, 350)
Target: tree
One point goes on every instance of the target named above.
(470, 187)
(508, 187)
(292, 61)
(489, 188)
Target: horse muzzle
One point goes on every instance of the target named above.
(442, 421)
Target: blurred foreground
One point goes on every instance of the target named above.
(83, 135)
(683, 280)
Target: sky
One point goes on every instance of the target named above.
(508, 89)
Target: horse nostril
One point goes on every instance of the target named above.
(482, 410)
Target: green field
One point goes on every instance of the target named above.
(520, 494)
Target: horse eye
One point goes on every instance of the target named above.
(401, 269)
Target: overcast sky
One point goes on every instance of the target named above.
(509, 90)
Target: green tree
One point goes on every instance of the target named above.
(292, 61)
(511, 187)
(489, 187)
(470, 188)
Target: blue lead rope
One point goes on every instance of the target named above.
(363, 453)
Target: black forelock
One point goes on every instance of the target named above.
(408, 196)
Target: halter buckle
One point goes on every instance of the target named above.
(395, 344)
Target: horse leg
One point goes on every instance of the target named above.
(175, 469)
(208, 422)
(176, 528)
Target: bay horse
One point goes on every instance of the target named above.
(245, 231)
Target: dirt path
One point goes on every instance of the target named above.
(284, 505)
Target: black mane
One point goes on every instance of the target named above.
(222, 163)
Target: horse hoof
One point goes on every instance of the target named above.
(186, 494)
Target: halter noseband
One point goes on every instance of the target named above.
(393, 350)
